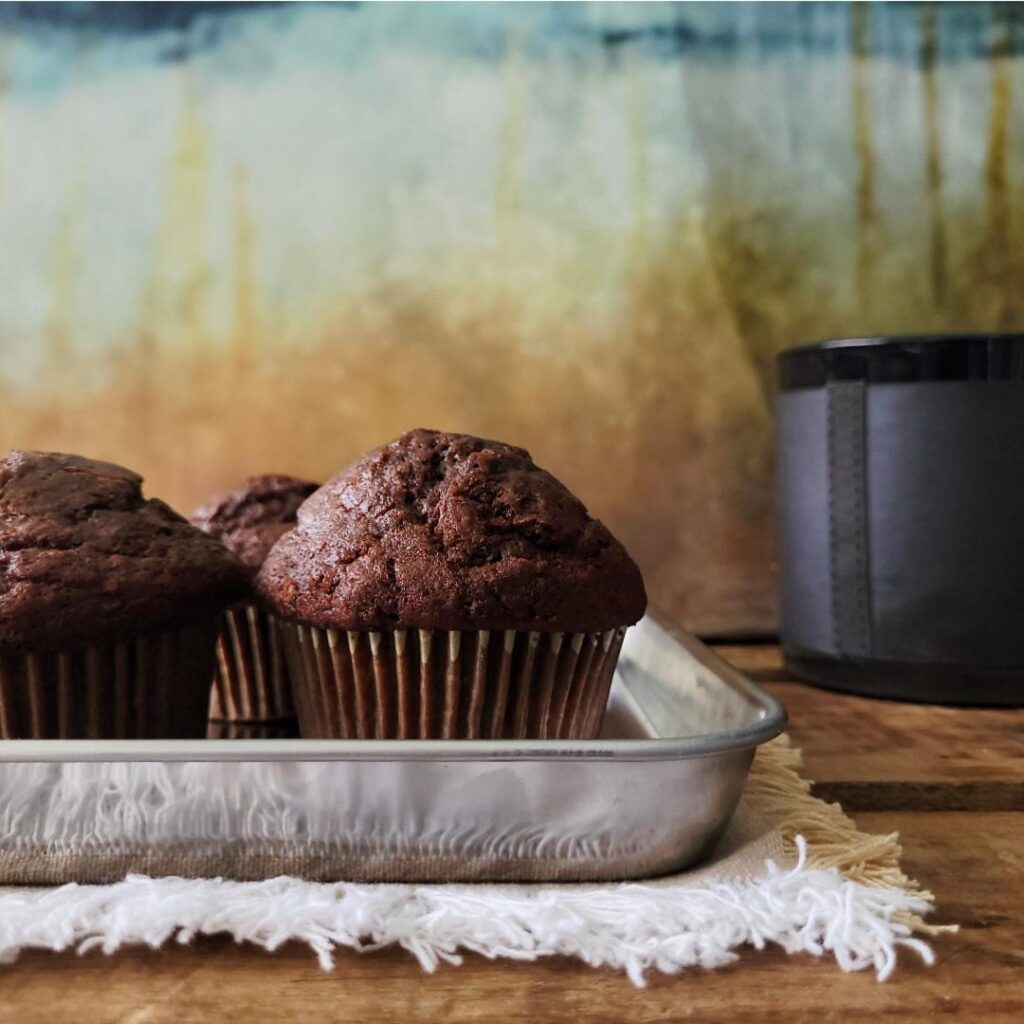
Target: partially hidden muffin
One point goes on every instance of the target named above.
(250, 682)
(443, 586)
(109, 604)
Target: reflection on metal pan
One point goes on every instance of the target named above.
(648, 797)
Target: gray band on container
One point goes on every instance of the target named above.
(847, 486)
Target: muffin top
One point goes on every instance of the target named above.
(447, 531)
(85, 558)
(251, 519)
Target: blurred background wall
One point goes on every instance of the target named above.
(237, 238)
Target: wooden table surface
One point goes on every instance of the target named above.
(951, 782)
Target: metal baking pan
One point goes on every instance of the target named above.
(652, 795)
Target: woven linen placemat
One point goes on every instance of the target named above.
(790, 870)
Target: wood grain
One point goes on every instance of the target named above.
(762, 662)
(886, 755)
(972, 858)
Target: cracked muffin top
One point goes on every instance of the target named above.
(447, 531)
(252, 518)
(85, 558)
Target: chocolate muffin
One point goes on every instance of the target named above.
(109, 604)
(445, 586)
(250, 683)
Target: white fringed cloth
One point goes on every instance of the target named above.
(791, 871)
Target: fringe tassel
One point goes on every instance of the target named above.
(778, 790)
(631, 927)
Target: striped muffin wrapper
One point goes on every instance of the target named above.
(430, 684)
(250, 681)
(149, 687)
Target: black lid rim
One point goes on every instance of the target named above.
(875, 341)
(906, 358)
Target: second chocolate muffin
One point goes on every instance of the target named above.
(108, 604)
(444, 586)
(250, 683)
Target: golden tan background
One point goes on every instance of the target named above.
(242, 238)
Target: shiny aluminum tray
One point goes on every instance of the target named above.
(651, 796)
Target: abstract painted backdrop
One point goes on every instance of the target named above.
(237, 238)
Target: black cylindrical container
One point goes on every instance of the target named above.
(901, 506)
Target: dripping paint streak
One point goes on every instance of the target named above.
(640, 175)
(864, 150)
(6, 84)
(64, 257)
(64, 254)
(173, 298)
(243, 329)
(508, 188)
(937, 245)
(996, 172)
(179, 265)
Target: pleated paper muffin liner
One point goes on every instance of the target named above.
(148, 687)
(431, 684)
(250, 681)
